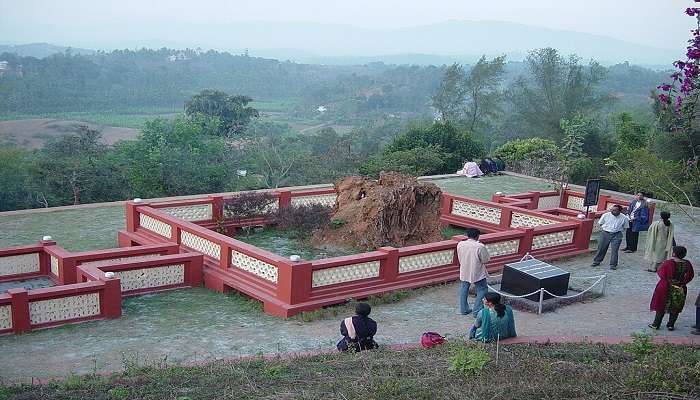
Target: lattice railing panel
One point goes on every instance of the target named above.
(254, 266)
(426, 260)
(552, 239)
(476, 211)
(5, 317)
(323, 199)
(152, 277)
(198, 212)
(19, 264)
(54, 265)
(345, 273)
(575, 203)
(200, 244)
(149, 223)
(64, 308)
(548, 202)
(529, 221)
(503, 248)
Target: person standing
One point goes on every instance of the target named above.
(659, 245)
(696, 331)
(612, 223)
(638, 213)
(670, 292)
(473, 256)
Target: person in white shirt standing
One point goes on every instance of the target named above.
(473, 256)
(612, 223)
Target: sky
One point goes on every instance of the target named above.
(99, 23)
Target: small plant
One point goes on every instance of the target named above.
(337, 223)
(274, 371)
(119, 393)
(641, 345)
(220, 228)
(465, 360)
(303, 219)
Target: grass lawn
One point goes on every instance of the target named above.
(455, 371)
(126, 119)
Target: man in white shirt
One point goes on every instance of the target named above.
(473, 256)
(612, 224)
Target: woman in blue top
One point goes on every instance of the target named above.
(638, 212)
(495, 321)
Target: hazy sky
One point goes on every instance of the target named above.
(659, 23)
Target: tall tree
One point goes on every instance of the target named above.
(482, 89)
(232, 112)
(555, 88)
(449, 99)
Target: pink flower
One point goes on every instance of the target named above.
(665, 87)
(664, 98)
(690, 11)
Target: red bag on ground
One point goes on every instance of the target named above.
(431, 339)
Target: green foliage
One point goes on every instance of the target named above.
(524, 149)
(630, 134)
(450, 95)
(417, 161)
(641, 345)
(468, 360)
(337, 222)
(555, 88)
(118, 393)
(227, 115)
(424, 150)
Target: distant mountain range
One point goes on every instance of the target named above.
(40, 50)
(446, 42)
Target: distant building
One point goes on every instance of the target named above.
(321, 109)
(178, 57)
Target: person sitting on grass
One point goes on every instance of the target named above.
(494, 322)
(358, 331)
(669, 295)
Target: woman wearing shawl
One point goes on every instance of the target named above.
(358, 331)
(659, 245)
(495, 321)
(670, 292)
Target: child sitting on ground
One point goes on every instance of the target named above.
(358, 331)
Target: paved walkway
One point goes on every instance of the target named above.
(196, 325)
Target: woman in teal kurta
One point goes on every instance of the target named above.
(494, 321)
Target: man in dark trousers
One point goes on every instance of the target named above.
(612, 224)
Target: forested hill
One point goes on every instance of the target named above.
(126, 80)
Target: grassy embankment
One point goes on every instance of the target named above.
(454, 371)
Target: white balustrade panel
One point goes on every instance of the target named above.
(548, 202)
(111, 261)
(322, 199)
(254, 266)
(19, 264)
(153, 277)
(575, 203)
(198, 212)
(200, 244)
(552, 239)
(426, 260)
(503, 248)
(5, 317)
(476, 211)
(345, 273)
(64, 308)
(529, 221)
(156, 226)
(54, 266)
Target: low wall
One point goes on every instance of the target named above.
(84, 291)
(287, 287)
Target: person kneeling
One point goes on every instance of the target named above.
(495, 321)
(358, 331)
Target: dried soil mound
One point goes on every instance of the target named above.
(396, 210)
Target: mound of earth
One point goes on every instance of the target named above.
(395, 210)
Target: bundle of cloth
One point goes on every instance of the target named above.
(470, 170)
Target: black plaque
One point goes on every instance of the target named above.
(592, 192)
(528, 276)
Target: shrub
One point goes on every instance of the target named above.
(303, 219)
(528, 149)
(416, 162)
(249, 205)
